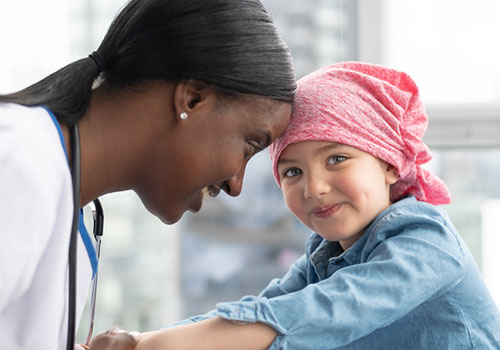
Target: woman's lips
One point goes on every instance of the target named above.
(209, 191)
(327, 211)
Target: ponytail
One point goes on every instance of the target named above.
(65, 92)
(230, 45)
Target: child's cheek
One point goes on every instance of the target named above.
(293, 202)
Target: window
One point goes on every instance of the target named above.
(452, 50)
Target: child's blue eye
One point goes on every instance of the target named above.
(292, 172)
(336, 159)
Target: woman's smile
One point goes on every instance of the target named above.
(208, 191)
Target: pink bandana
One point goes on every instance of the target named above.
(375, 109)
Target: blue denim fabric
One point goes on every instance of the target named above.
(409, 282)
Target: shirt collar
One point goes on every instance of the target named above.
(328, 250)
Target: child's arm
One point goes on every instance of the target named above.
(214, 333)
(295, 279)
(358, 298)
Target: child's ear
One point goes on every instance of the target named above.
(391, 174)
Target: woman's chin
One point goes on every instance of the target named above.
(171, 217)
(169, 221)
(170, 213)
(168, 216)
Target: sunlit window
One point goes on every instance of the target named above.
(451, 47)
(452, 50)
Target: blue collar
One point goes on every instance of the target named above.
(87, 240)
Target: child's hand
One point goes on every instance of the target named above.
(113, 339)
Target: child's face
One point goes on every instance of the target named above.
(335, 190)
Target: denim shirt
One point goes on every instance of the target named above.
(409, 282)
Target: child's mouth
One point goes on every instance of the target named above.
(327, 211)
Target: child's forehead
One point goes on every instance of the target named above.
(317, 146)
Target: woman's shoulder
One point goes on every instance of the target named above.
(28, 131)
(31, 149)
(20, 120)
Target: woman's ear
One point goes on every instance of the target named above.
(190, 97)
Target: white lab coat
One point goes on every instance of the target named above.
(36, 210)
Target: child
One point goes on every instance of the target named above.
(384, 268)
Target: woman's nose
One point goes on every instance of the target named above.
(316, 186)
(234, 185)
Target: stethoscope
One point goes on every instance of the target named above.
(98, 218)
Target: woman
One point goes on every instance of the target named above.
(174, 102)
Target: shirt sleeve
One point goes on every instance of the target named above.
(294, 279)
(400, 273)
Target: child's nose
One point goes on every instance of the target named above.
(316, 186)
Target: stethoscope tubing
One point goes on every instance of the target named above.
(72, 251)
(75, 175)
(98, 228)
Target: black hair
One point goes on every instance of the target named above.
(231, 45)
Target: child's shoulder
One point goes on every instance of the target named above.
(409, 210)
(411, 218)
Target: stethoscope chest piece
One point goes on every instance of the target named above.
(98, 216)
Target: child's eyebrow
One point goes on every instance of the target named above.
(323, 149)
(284, 161)
(329, 147)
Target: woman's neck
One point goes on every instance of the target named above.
(108, 147)
(118, 133)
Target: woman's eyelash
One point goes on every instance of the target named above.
(258, 147)
(254, 148)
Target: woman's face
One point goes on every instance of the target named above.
(208, 152)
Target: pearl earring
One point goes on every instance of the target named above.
(183, 115)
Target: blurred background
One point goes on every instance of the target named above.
(152, 274)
